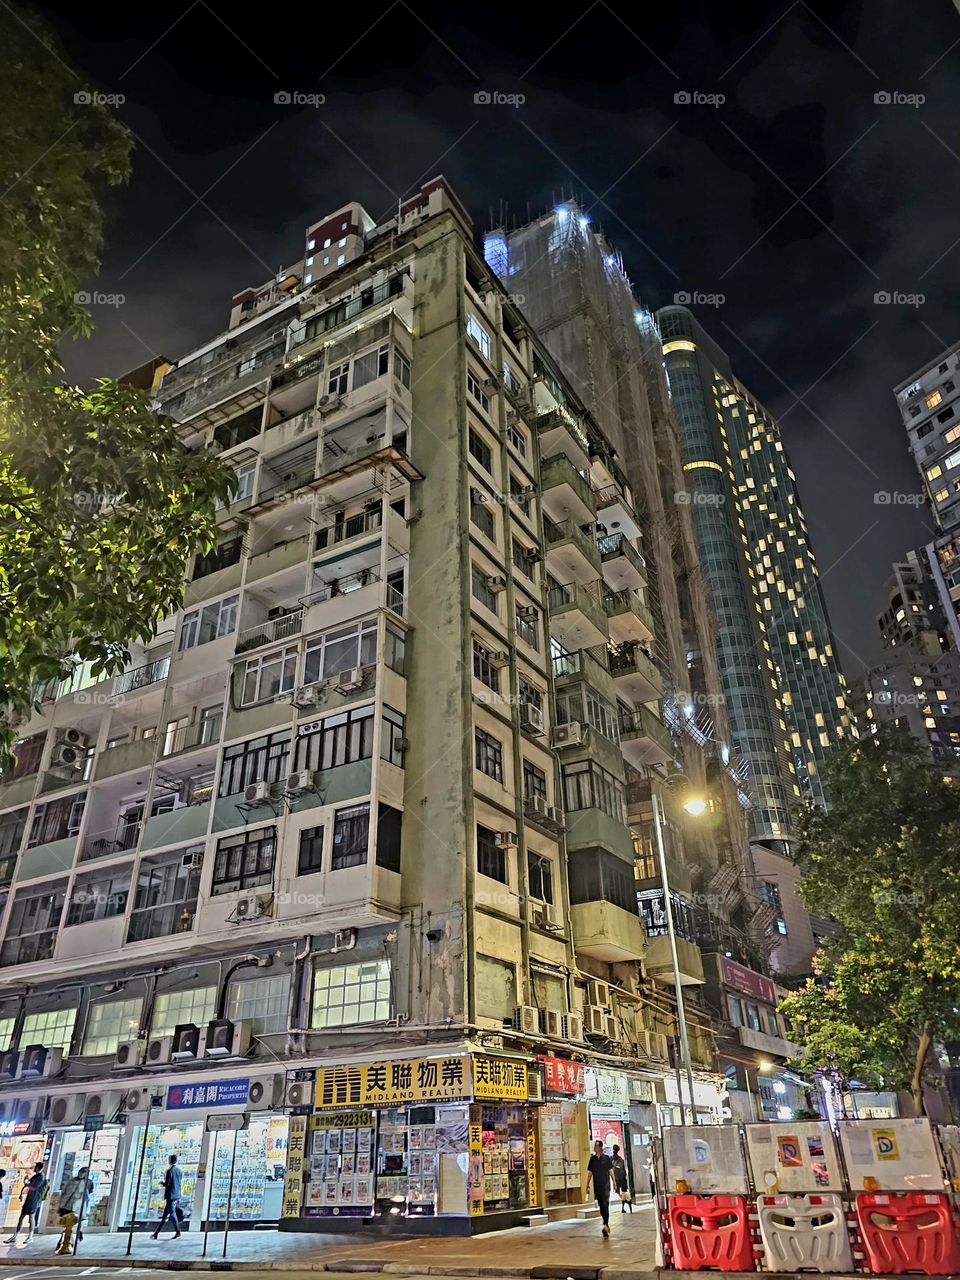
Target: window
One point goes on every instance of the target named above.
(109, 1023)
(341, 650)
(6, 1033)
(488, 754)
(244, 861)
(310, 855)
(268, 676)
(263, 759)
(530, 694)
(515, 437)
(534, 782)
(33, 924)
(401, 369)
(350, 994)
(98, 895)
(172, 1009)
(12, 826)
(528, 625)
(540, 877)
(491, 859)
(597, 875)
(475, 388)
(524, 558)
(370, 366)
(770, 893)
(200, 626)
(932, 400)
(342, 243)
(389, 827)
(480, 450)
(52, 1028)
(341, 259)
(351, 835)
(483, 668)
(479, 336)
(481, 514)
(586, 786)
(338, 379)
(773, 1026)
(165, 897)
(753, 1016)
(339, 739)
(736, 1013)
(246, 474)
(481, 590)
(261, 1002)
(392, 736)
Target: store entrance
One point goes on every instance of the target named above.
(18, 1156)
(147, 1164)
(258, 1158)
(99, 1152)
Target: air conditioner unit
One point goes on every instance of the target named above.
(527, 613)
(654, 1044)
(136, 1100)
(193, 861)
(528, 490)
(266, 1094)
(544, 916)
(496, 582)
(536, 804)
(531, 718)
(106, 1103)
(300, 781)
(308, 696)
(187, 1043)
(534, 1086)
(526, 1017)
(251, 907)
(226, 1039)
(598, 993)
(129, 1054)
(66, 1109)
(67, 756)
(257, 793)
(491, 386)
(572, 1027)
(532, 555)
(506, 839)
(300, 1093)
(9, 1064)
(596, 1021)
(614, 1030)
(74, 738)
(552, 1023)
(350, 679)
(329, 404)
(573, 734)
(554, 815)
(158, 1051)
(499, 659)
(38, 1060)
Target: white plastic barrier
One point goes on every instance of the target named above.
(804, 1233)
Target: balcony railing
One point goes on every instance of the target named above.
(340, 587)
(102, 844)
(222, 557)
(340, 312)
(351, 527)
(141, 677)
(396, 601)
(612, 544)
(201, 734)
(270, 631)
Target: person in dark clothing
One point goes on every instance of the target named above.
(620, 1179)
(34, 1190)
(171, 1199)
(599, 1172)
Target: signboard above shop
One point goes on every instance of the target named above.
(747, 980)
(421, 1080)
(561, 1075)
(212, 1093)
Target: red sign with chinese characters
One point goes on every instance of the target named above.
(560, 1075)
(746, 980)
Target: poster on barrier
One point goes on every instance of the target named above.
(797, 1156)
(898, 1155)
(707, 1157)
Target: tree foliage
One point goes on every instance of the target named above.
(100, 503)
(885, 863)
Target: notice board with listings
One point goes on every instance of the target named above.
(794, 1157)
(898, 1155)
(707, 1157)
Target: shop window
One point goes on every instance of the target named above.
(261, 1002)
(165, 897)
(244, 861)
(347, 995)
(351, 835)
(99, 895)
(310, 855)
(33, 924)
(109, 1023)
(162, 1141)
(171, 1008)
(496, 987)
(53, 1028)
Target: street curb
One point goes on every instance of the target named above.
(347, 1267)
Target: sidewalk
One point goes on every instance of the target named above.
(563, 1248)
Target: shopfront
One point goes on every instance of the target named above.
(608, 1103)
(225, 1172)
(423, 1138)
(19, 1152)
(97, 1150)
(564, 1144)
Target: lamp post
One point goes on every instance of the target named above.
(693, 806)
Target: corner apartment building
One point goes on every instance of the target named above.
(346, 848)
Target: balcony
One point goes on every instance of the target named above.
(571, 553)
(607, 932)
(345, 528)
(634, 673)
(127, 755)
(566, 493)
(659, 963)
(120, 838)
(644, 739)
(271, 631)
(593, 828)
(229, 380)
(577, 618)
(561, 435)
(46, 859)
(585, 664)
(624, 568)
(628, 616)
(186, 823)
(615, 511)
(771, 1046)
(204, 733)
(285, 555)
(141, 677)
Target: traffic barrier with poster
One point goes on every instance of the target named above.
(705, 1215)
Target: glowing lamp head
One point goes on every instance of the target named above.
(696, 806)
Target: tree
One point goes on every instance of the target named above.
(101, 504)
(884, 861)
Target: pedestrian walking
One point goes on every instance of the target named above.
(32, 1197)
(600, 1172)
(171, 1198)
(620, 1179)
(74, 1195)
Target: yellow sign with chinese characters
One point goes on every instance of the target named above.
(504, 1078)
(421, 1080)
(293, 1179)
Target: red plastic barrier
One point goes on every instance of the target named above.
(906, 1231)
(710, 1232)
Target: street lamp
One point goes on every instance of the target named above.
(695, 806)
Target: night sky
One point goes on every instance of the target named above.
(797, 198)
